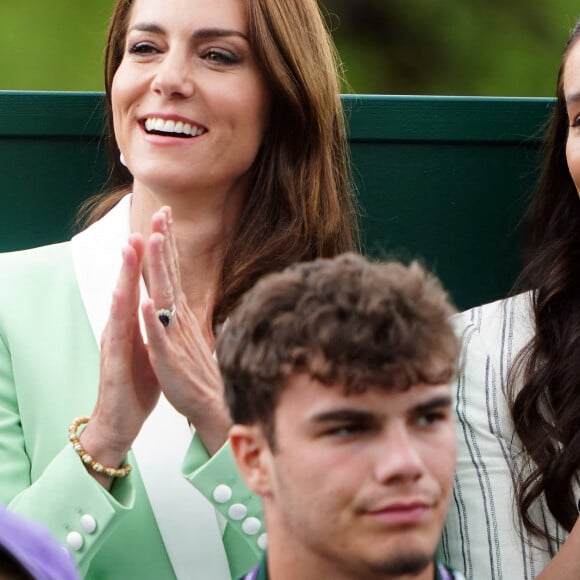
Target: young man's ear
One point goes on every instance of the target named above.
(252, 454)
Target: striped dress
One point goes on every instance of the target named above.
(484, 536)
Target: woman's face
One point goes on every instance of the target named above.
(571, 82)
(190, 105)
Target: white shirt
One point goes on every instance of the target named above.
(484, 536)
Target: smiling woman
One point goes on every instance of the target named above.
(194, 67)
(230, 161)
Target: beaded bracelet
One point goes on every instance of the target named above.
(86, 458)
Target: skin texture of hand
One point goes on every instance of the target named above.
(177, 359)
(128, 388)
(179, 353)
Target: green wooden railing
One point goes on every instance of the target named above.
(443, 179)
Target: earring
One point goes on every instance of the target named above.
(122, 159)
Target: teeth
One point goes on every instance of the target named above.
(170, 126)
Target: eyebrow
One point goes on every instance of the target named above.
(443, 401)
(355, 415)
(341, 415)
(202, 33)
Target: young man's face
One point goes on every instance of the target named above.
(361, 482)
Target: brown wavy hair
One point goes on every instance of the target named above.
(546, 410)
(301, 204)
(347, 322)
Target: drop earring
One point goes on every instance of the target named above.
(122, 159)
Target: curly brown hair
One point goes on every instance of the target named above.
(344, 321)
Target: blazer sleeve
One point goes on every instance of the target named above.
(484, 537)
(64, 492)
(219, 480)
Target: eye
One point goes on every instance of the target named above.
(431, 418)
(573, 115)
(143, 48)
(220, 56)
(346, 431)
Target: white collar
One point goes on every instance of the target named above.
(97, 259)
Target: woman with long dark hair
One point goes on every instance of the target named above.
(515, 508)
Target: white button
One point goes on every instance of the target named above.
(74, 541)
(88, 523)
(238, 511)
(222, 493)
(251, 526)
(263, 541)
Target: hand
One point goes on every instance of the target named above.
(128, 387)
(179, 354)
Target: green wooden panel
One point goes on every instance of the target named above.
(444, 179)
(51, 158)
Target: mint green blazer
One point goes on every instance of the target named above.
(49, 366)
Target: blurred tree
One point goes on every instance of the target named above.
(463, 47)
(56, 45)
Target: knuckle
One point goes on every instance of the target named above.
(168, 294)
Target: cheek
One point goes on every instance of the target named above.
(126, 90)
(116, 105)
(441, 458)
(319, 477)
(255, 109)
(573, 159)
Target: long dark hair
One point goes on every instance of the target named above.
(546, 410)
(301, 205)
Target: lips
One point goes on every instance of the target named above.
(172, 127)
(401, 513)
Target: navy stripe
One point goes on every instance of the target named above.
(476, 460)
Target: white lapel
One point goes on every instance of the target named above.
(96, 255)
(187, 521)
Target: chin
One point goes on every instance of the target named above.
(402, 564)
(407, 554)
(163, 182)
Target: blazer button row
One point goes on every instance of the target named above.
(75, 540)
(222, 494)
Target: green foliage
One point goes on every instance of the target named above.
(452, 47)
(54, 45)
(461, 47)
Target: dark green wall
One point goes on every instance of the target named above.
(439, 178)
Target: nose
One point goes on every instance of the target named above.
(398, 457)
(174, 77)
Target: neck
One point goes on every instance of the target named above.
(202, 227)
(300, 570)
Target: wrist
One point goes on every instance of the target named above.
(213, 434)
(103, 449)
